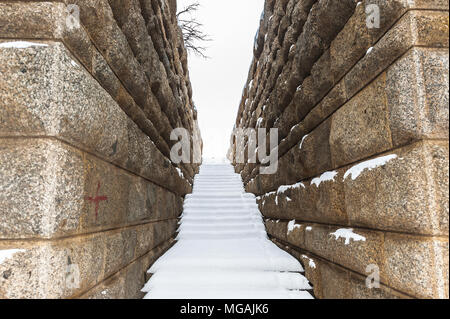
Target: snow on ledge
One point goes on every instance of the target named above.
(8, 253)
(284, 188)
(325, 177)
(21, 44)
(180, 172)
(356, 170)
(292, 225)
(311, 262)
(348, 234)
(303, 140)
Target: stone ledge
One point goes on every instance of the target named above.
(52, 189)
(395, 195)
(46, 269)
(362, 127)
(407, 263)
(390, 47)
(331, 281)
(146, 113)
(127, 283)
(78, 111)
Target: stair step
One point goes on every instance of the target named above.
(228, 280)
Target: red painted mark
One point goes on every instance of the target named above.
(97, 199)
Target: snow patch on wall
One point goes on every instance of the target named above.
(303, 139)
(348, 234)
(180, 172)
(8, 253)
(284, 188)
(325, 177)
(292, 225)
(311, 262)
(356, 170)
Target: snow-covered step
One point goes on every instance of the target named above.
(224, 226)
(218, 232)
(220, 236)
(252, 254)
(228, 280)
(225, 206)
(224, 196)
(216, 199)
(215, 293)
(207, 219)
(220, 210)
(222, 248)
(223, 215)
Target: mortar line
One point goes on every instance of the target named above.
(373, 156)
(443, 238)
(42, 240)
(81, 149)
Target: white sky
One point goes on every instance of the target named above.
(218, 81)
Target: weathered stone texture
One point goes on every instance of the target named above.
(362, 117)
(87, 190)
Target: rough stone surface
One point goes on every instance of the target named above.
(88, 193)
(362, 117)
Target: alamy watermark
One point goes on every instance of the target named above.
(187, 148)
(257, 148)
(373, 279)
(72, 16)
(72, 279)
(373, 17)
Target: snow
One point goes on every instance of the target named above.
(294, 127)
(8, 253)
(356, 170)
(179, 172)
(325, 177)
(309, 228)
(292, 225)
(311, 262)
(21, 44)
(348, 234)
(303, 139)
(369, 50)
(284, 188)
(222, 249)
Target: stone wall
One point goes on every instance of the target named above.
(88, 195)
(362, 115)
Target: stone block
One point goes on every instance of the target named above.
(71, 192)
(360, 128)
(399, 193)
(417, 95)
(77, 111)
(417, 265)
(409, 31)
(40, 20)
(58, 269)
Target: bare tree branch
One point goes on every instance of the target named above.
(192, 30)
